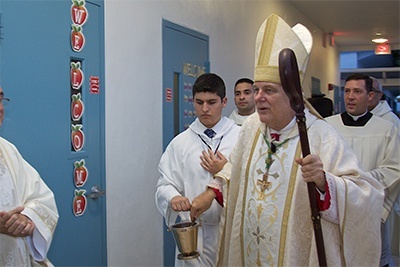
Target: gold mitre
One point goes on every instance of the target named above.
(273, 36)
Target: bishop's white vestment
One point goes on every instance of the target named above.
(274, 227)
(21, 185)
(182, 174)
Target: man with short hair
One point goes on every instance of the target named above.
(244, 101)
(268, 216)
(184, 177)
(380, 107)
(375, 142)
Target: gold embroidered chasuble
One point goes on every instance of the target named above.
(274, 228)
(267, 214)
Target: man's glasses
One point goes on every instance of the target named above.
(4, 100)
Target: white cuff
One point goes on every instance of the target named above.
(331, 214)
(216, 183)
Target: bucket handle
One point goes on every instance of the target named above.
(168, 217)
(169, 209)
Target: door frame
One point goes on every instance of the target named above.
(170, 130)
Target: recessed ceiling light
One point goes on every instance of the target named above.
(380, 40)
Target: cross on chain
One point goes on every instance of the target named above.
(264, 183)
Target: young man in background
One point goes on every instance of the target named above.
(244, 101)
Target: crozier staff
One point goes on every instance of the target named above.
(289, 75)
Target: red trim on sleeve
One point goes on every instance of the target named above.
(324, 204)
(218, 196)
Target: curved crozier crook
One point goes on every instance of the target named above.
(290, 79)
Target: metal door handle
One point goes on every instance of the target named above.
(96, 192)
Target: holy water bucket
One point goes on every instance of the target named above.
(185, 236)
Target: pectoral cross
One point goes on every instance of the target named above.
(264, 183)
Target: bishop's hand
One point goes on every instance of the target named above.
(313, 171)
(201, 203)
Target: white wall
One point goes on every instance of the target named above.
(134, 100)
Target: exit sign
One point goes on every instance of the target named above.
(382, 49)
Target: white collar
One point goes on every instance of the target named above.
(355, 118)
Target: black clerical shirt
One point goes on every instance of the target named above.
(349, 121)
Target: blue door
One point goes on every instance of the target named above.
(185, 57)
(52, 69)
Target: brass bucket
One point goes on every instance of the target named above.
(185, 236)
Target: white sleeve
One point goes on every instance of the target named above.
(37, 246)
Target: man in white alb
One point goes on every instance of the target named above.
(375, 142)
(382, 109)
(28, 212)
(184, 181)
